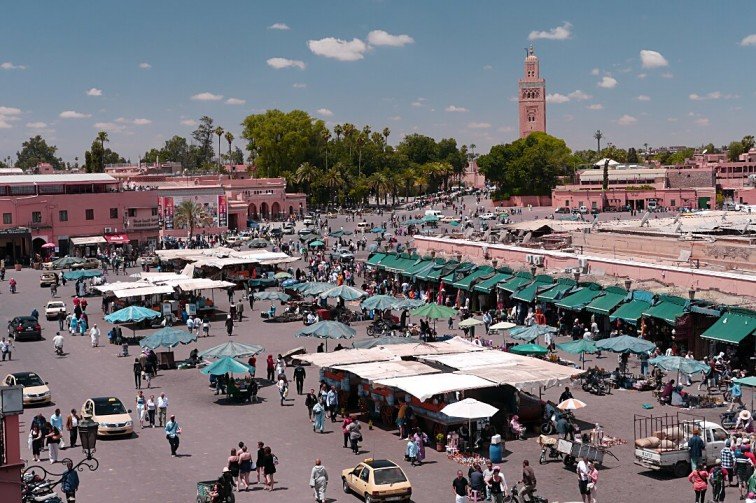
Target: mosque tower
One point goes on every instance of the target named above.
(532, 97)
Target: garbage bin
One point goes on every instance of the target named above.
(495, 451)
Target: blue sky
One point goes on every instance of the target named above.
(144, 70)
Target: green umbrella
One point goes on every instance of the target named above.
(408, 303)
(376, 342)
(272, 296)
(580, 346)
(168, 337)
(232, 349)
(531, 333)
(626, 344)
(314, 288)
(344, 292)
(132, 314)
(66, 261)
(528, 349)
(379, 302)
(74, 275)
(434, 311)
(282, 275)
(226, 365)
(680, 364)
(316, 243)
(470, 322)
(328, 330)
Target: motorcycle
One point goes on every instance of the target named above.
(728, 420)
(548, 449)
(59, 350)
(516, 498)
(38, 490)
(595, 384)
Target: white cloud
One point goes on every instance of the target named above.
(749, 40)
(10, 66)
(395, 118)
(556, 98)
(72, 114)
(652, 59)
(453, 108)
(299, 85)
(279, 63)
(207, 97)
(642, 75)
(94, 92)
(667, 75)
(478, 125)
(278, 26)
(339, 49)
(607, 82)
(417, 104)
(595, 106)
(189, 122)
(643, 97)
(702, 121)
(505, 129)
(6, 111)
(559, 33)
(714, 95)
(110, 127)
(235, 101)
(380, 37)
(595, 71)
(671, 119)
(488, 67)
(579, 95)
(145, 66)
(324, 112)
(36, 125)
(141, 122)
(627, 120)
(4, 124)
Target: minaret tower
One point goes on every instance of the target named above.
(532, 97)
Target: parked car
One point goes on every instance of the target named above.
(276, 232)
(377, 480)
(48, 278)
(54, 308)
(24, 327)
(343, 254)
(89, 263)
(150, 260)
(113, 418)
(307, 221)
(487, 216)
(562, 210)
(35, 390)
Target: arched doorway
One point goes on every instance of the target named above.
(264, 212)
(251, 212)
(38, 250)
(291, 210)
(275, 211)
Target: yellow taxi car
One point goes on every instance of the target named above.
(377, 480)
(113, 418)
(35, 391)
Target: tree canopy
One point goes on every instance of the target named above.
(36, 150)
(527, 166)
(97, 157)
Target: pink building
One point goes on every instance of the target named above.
(473, 177)
(532, 97)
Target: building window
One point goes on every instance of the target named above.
(89, 214)
(7, 218)
(63, 215)
(154, 212)
(36, 217)
(132, 212)
(672, 203)
(113, 212)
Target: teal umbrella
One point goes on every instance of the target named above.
(434, 311)
(257, 243)
(580, 346)
(378, 230)
(328, 330)
(528, 349)
(455, 223)
(626, 344)
(282, 275)
(232, 349)
(316, 243)
(408, 303)
(379, 302)
(272, 296)
(132, 314)
(315, 288)
(168, 337)
(531, 333)
(226, 365)
(679, 364)
(75, 275)
(344, 292)
(430, 218)
(63, 263)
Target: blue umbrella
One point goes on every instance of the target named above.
(226, 365)
(328, 330)
(378, 230)
(626, 344)
(132, 314)
(288, 283)
(168, 337)
(232, 349)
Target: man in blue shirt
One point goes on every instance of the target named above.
(70, 482)
(696, 448)
(172, 432)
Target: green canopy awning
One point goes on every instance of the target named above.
(631, 312)
(435, 265)
(436, 274)
(388, 260)
(376, 258)
(605, 304)
(466, 282)
(519, 280)
(401, 263)
(528, 294)
(731, 328)
(578, 300)
(668, 309)
(418, 266)
(563, 285)
(487, 285)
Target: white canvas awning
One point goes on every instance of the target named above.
(344, 357)
(144, 290)
(425, 386)
(91, 240)
(463, 361)
(203, 284)
(525, 378)
(387, 370)
(121, 285)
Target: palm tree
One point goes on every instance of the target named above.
(333, 179)
(337, 129)
(306, 175)
(326, 139)
(103, 137)
(386, 132)
(361, 139)
(219, 132)
(229, 136)
(192, 215)
(378, 183)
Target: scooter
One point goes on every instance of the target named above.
(59, 350)
(549, 450)
(516, 498)
(729, 419)
(37, 490)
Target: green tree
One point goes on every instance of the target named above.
(418, 149)
(680, 156)
(229, 136)
(527, 166)
(632, 156)
(191, 215)
(97, 157)
(734, 150)
(35, 150)
(748, 142)
(203, 135)
(283, 140)
(219, 132)
(306, 175)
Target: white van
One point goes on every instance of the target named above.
(434, 213)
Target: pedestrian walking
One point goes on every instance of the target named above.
(94, 335)
(172, 432)
(695, 448)
(61, 320)
(72, 426)
(56, 420)
(728, 460)
(245, 467)
(460, 488)
(332, 403)
(260, 461)
(240, 311)
(319, 481)
(232, 463)
(283, 387)
(583, 473)
(229, 325)
(141, 403)
(299, 377)
(345, 429)
(138, 374)
(270, 367)
(410, 452)
(151, 406)
(70, 482)
(699, 478)
(6, 349)
(269, 467)
(251, 298)
(310, 401)
(496, 485)
(420, 439)
(53, 442)
(162, 406)
(318, 414)
(205, 327)
(717, 477)
(355, 435)
(232, 310)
